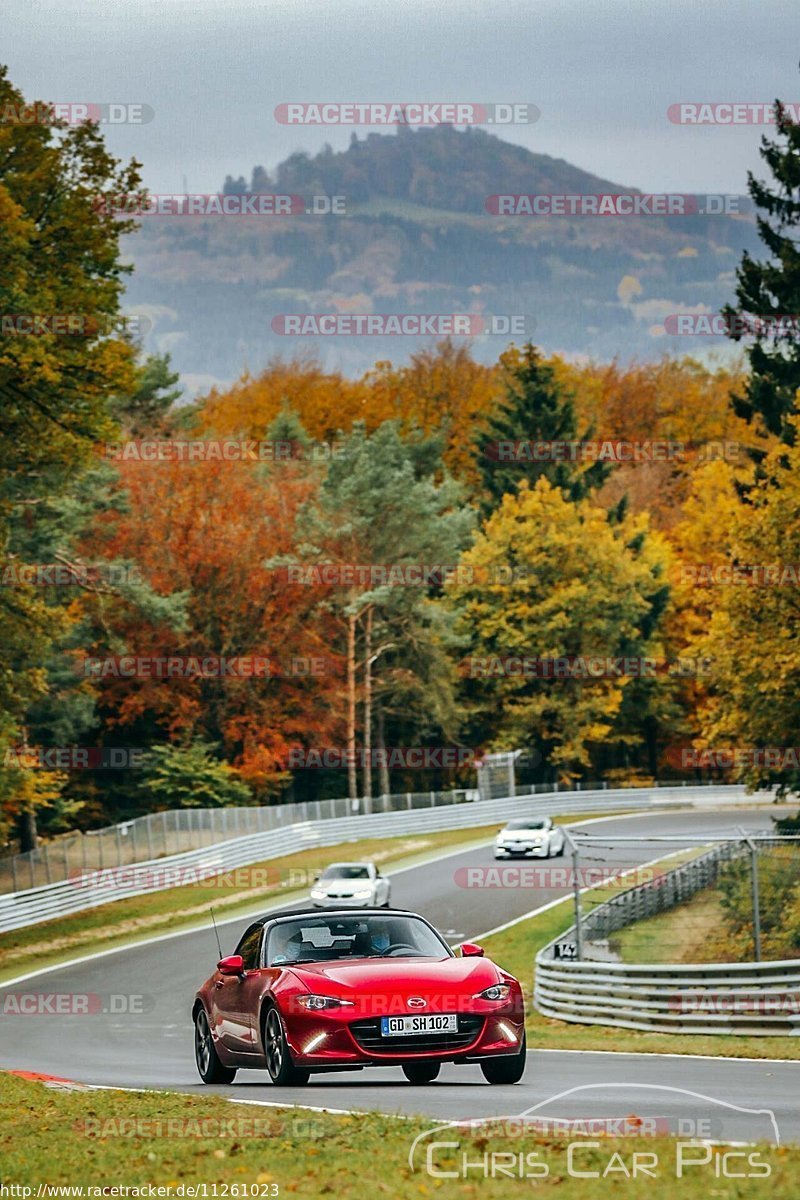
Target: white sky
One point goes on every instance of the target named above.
(602, 72)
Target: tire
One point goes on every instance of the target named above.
(209, 1067)
(281, 1069)
(421, 1072)
(507, 1068)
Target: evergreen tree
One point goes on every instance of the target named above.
(772, 289)
(537, 409)
(146, 407)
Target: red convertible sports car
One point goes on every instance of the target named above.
(307, 992)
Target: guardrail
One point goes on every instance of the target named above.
(742, 998)
(88, 890)
(754, 998)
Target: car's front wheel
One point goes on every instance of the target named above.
(209, 1066)
(282, 1070)
(507, 1068)
(421, 1072)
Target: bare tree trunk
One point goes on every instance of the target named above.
(28, 835)
(352, 780)
(383, 769)
(26, 819)
(368, 712)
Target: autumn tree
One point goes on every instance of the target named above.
(202, 532)
(443, 390)
(61, 262)
(553, 579)
(753, 639)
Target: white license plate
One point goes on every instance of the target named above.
(429, 1023)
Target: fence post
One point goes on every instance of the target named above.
(748, 841)
(576, 892)
(756, 901)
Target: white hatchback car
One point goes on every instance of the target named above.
(344, 884)
(529, 837)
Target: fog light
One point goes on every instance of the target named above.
(507, 1031)
(315, 1041)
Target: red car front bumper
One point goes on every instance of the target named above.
(319, 1040)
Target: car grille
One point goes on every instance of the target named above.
(369, 1037)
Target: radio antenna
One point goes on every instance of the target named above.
(216, 931)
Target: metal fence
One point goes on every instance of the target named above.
(576, 981)
(175, 831)
(666, 890)
(118, 881)
(160, 834)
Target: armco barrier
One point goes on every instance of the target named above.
(741, 998)
(30, 907)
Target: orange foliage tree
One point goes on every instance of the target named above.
(207, 530)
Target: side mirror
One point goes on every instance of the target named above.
(471, 950)
(232, 965)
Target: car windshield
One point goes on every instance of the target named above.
(345, 871)
(525, 825)
(333, 938)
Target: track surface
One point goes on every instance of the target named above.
(154, 1048)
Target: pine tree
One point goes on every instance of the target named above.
(772, 289)
(537, 409)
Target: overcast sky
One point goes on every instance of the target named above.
(602, 72)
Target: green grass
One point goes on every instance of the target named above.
(679, 935)
(124, 922)
(515, 949)
(110, 1138)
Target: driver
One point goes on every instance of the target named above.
(379, 937)
(369, 940)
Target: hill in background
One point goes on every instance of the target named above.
(417, 238)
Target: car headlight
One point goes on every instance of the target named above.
(318, 893)
(319, 1002)
(498, 991)
(363, 893)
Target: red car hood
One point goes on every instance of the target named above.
(403, 976)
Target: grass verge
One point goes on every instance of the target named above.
(107, 1139)
(689, 926)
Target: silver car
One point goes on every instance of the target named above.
(529, 837)
(344, 884)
